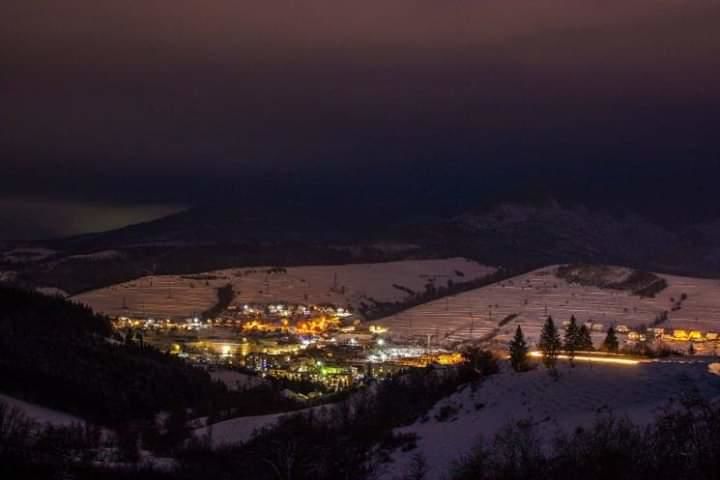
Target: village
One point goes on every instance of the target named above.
(320, 344)
(333, 348)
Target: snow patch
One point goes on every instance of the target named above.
(26, 255)
(52, 292)
(95, 257)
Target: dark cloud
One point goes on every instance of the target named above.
(171, 101)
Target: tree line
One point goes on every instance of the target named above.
(575, 339)
(683, 442)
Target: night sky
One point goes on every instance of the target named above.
(113, 112)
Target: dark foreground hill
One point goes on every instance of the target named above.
(59, 354)
(62, 355)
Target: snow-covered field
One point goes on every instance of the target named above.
(41, 415)
(638, 392)
(342, 285)
(532, 296)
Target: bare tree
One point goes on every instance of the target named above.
(418, 468)
(14, 428)
(283, 460)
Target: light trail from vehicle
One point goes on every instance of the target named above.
(592, 359)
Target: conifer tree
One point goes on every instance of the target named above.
(549, 344)
(611, 343)
(518, 351)
(572, 339)
(584, 339)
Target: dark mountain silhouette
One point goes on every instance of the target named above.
(332, 232)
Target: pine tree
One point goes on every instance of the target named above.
(518, 351)
(611, 343)
(572, 339)
(584, 339)
(549, 344)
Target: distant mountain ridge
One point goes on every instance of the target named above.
(517, 236)
(530, 235)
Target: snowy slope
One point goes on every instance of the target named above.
(241, 429)
(636, 391)
(236, 430)
(532, 296)
(342, 285)
(40, 414)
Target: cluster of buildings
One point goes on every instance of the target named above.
(323, 345)
(668, 334)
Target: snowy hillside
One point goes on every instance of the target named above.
(236, 430)
(185, 295)
(495, 310)
(458, 422)
(41, 415)
(241, 429)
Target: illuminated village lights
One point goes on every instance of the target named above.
(452, 358)
(378, 330)
(313, 343)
